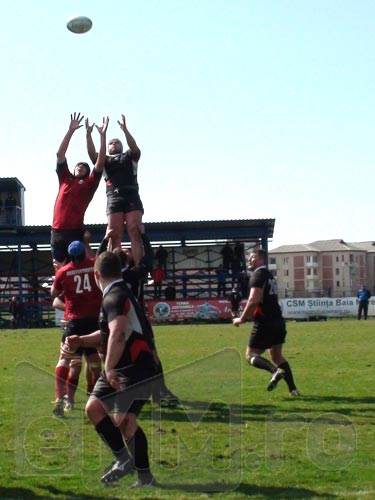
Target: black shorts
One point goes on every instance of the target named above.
(124, 201)
(267, 334)
(61, 239)
(136, 388)
(81, 327)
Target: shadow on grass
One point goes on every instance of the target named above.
(13, 493)
(218, 412)
(274, 493)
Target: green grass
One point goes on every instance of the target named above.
(231, 439)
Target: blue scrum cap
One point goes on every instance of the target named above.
(76, 249)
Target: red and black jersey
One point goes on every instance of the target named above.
(269, 309)
(120, 171)
(118, 300)
(73, 197)
(82, 296)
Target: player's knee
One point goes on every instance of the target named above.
(89, 408)
(251, 356)
(76, 363)
(133, 229)
(94, 410)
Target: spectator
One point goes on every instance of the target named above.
(162, 255)
(227, 254)
(235, 298)
(157, 275)
(184, 280)
(243, 282)
(17, 312)
(239, 252)
(170, 292)
(363, 298)
(235, 270)
(221, 273)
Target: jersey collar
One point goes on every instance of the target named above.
(260, 267)
(108, 287)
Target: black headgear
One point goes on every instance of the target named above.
(86, 165)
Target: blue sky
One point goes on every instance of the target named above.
(242, 108)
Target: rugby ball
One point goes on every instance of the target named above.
(79, 24)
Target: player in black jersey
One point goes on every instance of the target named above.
(269, 330)
(126, 382)
(135, 277)
(124, 204)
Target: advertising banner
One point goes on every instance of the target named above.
(326, 307)
(180, 310)
(219, 309)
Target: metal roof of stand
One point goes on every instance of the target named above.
(34, 241)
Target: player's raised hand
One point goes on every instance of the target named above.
(102, 129)
(89, 128)
(122, 123)
(75, 121)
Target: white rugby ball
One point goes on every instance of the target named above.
(79, 24)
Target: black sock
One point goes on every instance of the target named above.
(262, 363)
(288, 375)
(138, 448)
(112, 437)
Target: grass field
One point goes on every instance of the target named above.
(230, 439)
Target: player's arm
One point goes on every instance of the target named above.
(135, 151)
(115, 348)
(58, 303)
(55, 290)
(89, 142)
(103, 247)
(100, 160)
(255, 298)
(75, 123)
(92, 340)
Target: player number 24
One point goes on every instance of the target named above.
(82, 283)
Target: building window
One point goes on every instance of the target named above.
(272, 260)
(315, 272)
(337, 271)
(308, 258)
(342, 258)
(308, 272)
(351, 259)
(286, 272)
(286, 286)
(337, 258)
(315, 259)
(338, 284)
(286, 260)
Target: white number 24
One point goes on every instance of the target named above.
(82, 283)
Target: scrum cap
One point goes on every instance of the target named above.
(76, 251)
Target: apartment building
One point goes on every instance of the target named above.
(332, 268)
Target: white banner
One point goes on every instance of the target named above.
(323, 306)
